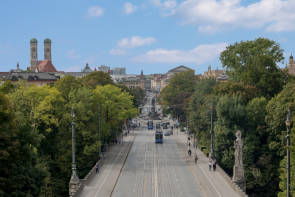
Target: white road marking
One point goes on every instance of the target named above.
(156, 175)
(209, 179)
(110, 171)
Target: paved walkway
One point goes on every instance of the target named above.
(102, 184)
(213, 184)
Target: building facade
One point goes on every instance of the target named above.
(104, 68)
(291, 66)
(212, 73)
(41, 65)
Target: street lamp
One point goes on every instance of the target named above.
(98, 129)
(211, 134)
(288, 124)
(74, 182)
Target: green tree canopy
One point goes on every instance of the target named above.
(176, 95)
(256, 63)
(97, 78)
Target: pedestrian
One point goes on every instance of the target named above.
(214, 165)
(189, 152)
(210, 164)
(96, 169)
(196, 158)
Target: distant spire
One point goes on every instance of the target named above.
(17, 67)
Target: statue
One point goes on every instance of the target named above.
(238, 176)
(238, 149)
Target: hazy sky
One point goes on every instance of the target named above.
(149, 35)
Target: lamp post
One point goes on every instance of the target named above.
(74, 182)
(288, 124)
(211, 134)
(98, 130)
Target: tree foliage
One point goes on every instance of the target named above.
(97, 78)
(255, 63)
(254, 101)
(35, 131)
(176, 95)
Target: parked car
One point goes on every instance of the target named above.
(167, 133)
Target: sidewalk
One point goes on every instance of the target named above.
(103, 183)
(213, 184)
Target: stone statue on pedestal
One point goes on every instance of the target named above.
(238, 177)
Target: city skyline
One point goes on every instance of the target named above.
(153, 35)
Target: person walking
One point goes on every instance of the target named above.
(97, 168)
(210, 164)
(189, 152)
(214, 165)
(196, 158)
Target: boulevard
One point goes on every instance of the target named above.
(155, 170)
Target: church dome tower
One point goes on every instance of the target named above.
(47, 49)
(34, 54)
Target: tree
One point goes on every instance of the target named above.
(20, 174)
(97, 78)
(7, 87)
(176, 95)
(230, 88)
(275, 119)
(255, 63)
(200, 106)
(68, 84)
(137, 93)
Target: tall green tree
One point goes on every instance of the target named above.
(20, 174)
(256, 63)
(176, 95)
(275, 119)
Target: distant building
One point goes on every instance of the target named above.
(133, 82)
(160, 81)
(87, 69)
(119, 71)
(104, 68)
(41, 78)
(41, 65)
(291, 66)
(212, 73)
(178, 69)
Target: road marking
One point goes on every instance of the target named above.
(156, 174)
(219, 194)
(110, 171)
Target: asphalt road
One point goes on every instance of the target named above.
(155, 170)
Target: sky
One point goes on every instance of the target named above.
(149, 35)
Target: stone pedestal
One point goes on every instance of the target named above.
(238, 176)
(74, 184)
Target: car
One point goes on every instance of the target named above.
(167, 133)
(165, 126)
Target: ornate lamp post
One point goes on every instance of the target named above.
(98, 129)
(288, 124)
(74, 182)
(211, 134)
